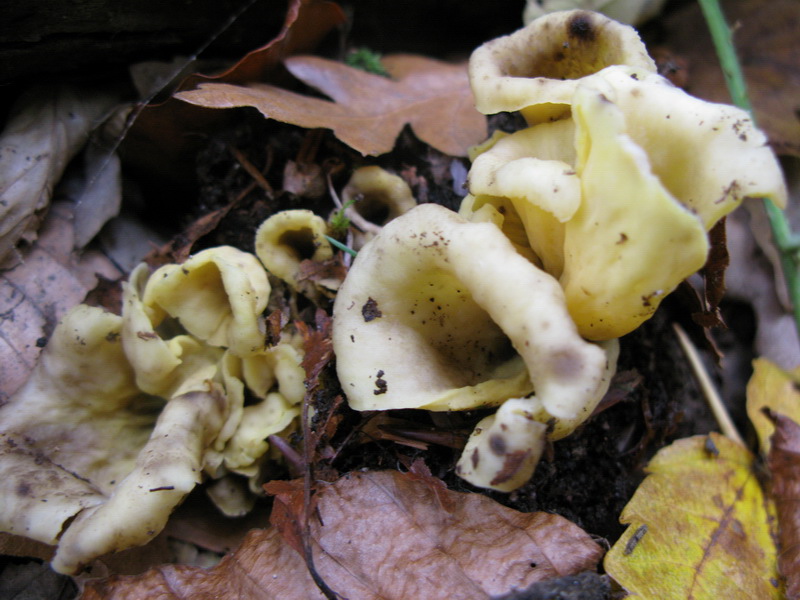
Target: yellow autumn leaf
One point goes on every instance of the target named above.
(698, 527)
(771, 387)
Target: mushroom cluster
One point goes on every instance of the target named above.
(125, 414)
(574, 230)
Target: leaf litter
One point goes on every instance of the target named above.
(713, 539)
(274, 545)
(369, 110)
(386, 535)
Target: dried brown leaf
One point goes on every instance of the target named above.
(384, 535)
(35, 294)
(368, 111)
(317, 347)
(160, 141)
(46, 129)
(784, 463)
(766, 41)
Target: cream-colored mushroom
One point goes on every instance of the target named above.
(443, 314)
(118, 421)
(114, 461)
(166, 470)
(657, 168)
(287, 238)
(654, 168)
(373, 197)
(632, 12)
(535, 70)
(534, 169)
(218, 296)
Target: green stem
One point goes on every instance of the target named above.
(784, 239)
(337, 244)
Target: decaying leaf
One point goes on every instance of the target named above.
(752, 279)
(766, 42)
(159, 140)
(784, 459)
(385, 535)
(48, 127)
(775, 389)
(699, 527)
(368, 111)
(35, 294)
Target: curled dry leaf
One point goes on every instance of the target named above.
(777, 390)
(48, 127)
(159, 140)
(784, 459)
(368, 111)
(385, 535)
(699, 527)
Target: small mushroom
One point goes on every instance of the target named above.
(535, 70)
(375, 197)
(104, 463)
(289, 237)
(123, 415)
(217, 295)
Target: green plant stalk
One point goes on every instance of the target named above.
(337, 244)
(785, 240)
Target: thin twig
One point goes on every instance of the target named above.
(785, 240)
(709, 390)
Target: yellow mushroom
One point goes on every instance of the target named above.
(534, 169)
(217, 295)
(379, 197)
(287, 238)
(652, 169)
(443, 314)
(536, 69)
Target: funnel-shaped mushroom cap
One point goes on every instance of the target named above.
(534, 169)
(286, 239)
(218, 296)
(379, 195)
(536, 69)
(443, 314)
(657, 168)
(630, 243)
(708, 156)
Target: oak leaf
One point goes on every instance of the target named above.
(384, 535)
(699, 527)
(775, 389)
(368, 111)
(784, 460)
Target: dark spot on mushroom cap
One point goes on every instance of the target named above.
(23, 489)
(511, 466)
(566, 364)
(498, 444)
(581, 27)
(370, 310)
(475, 458)
(381, 387)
